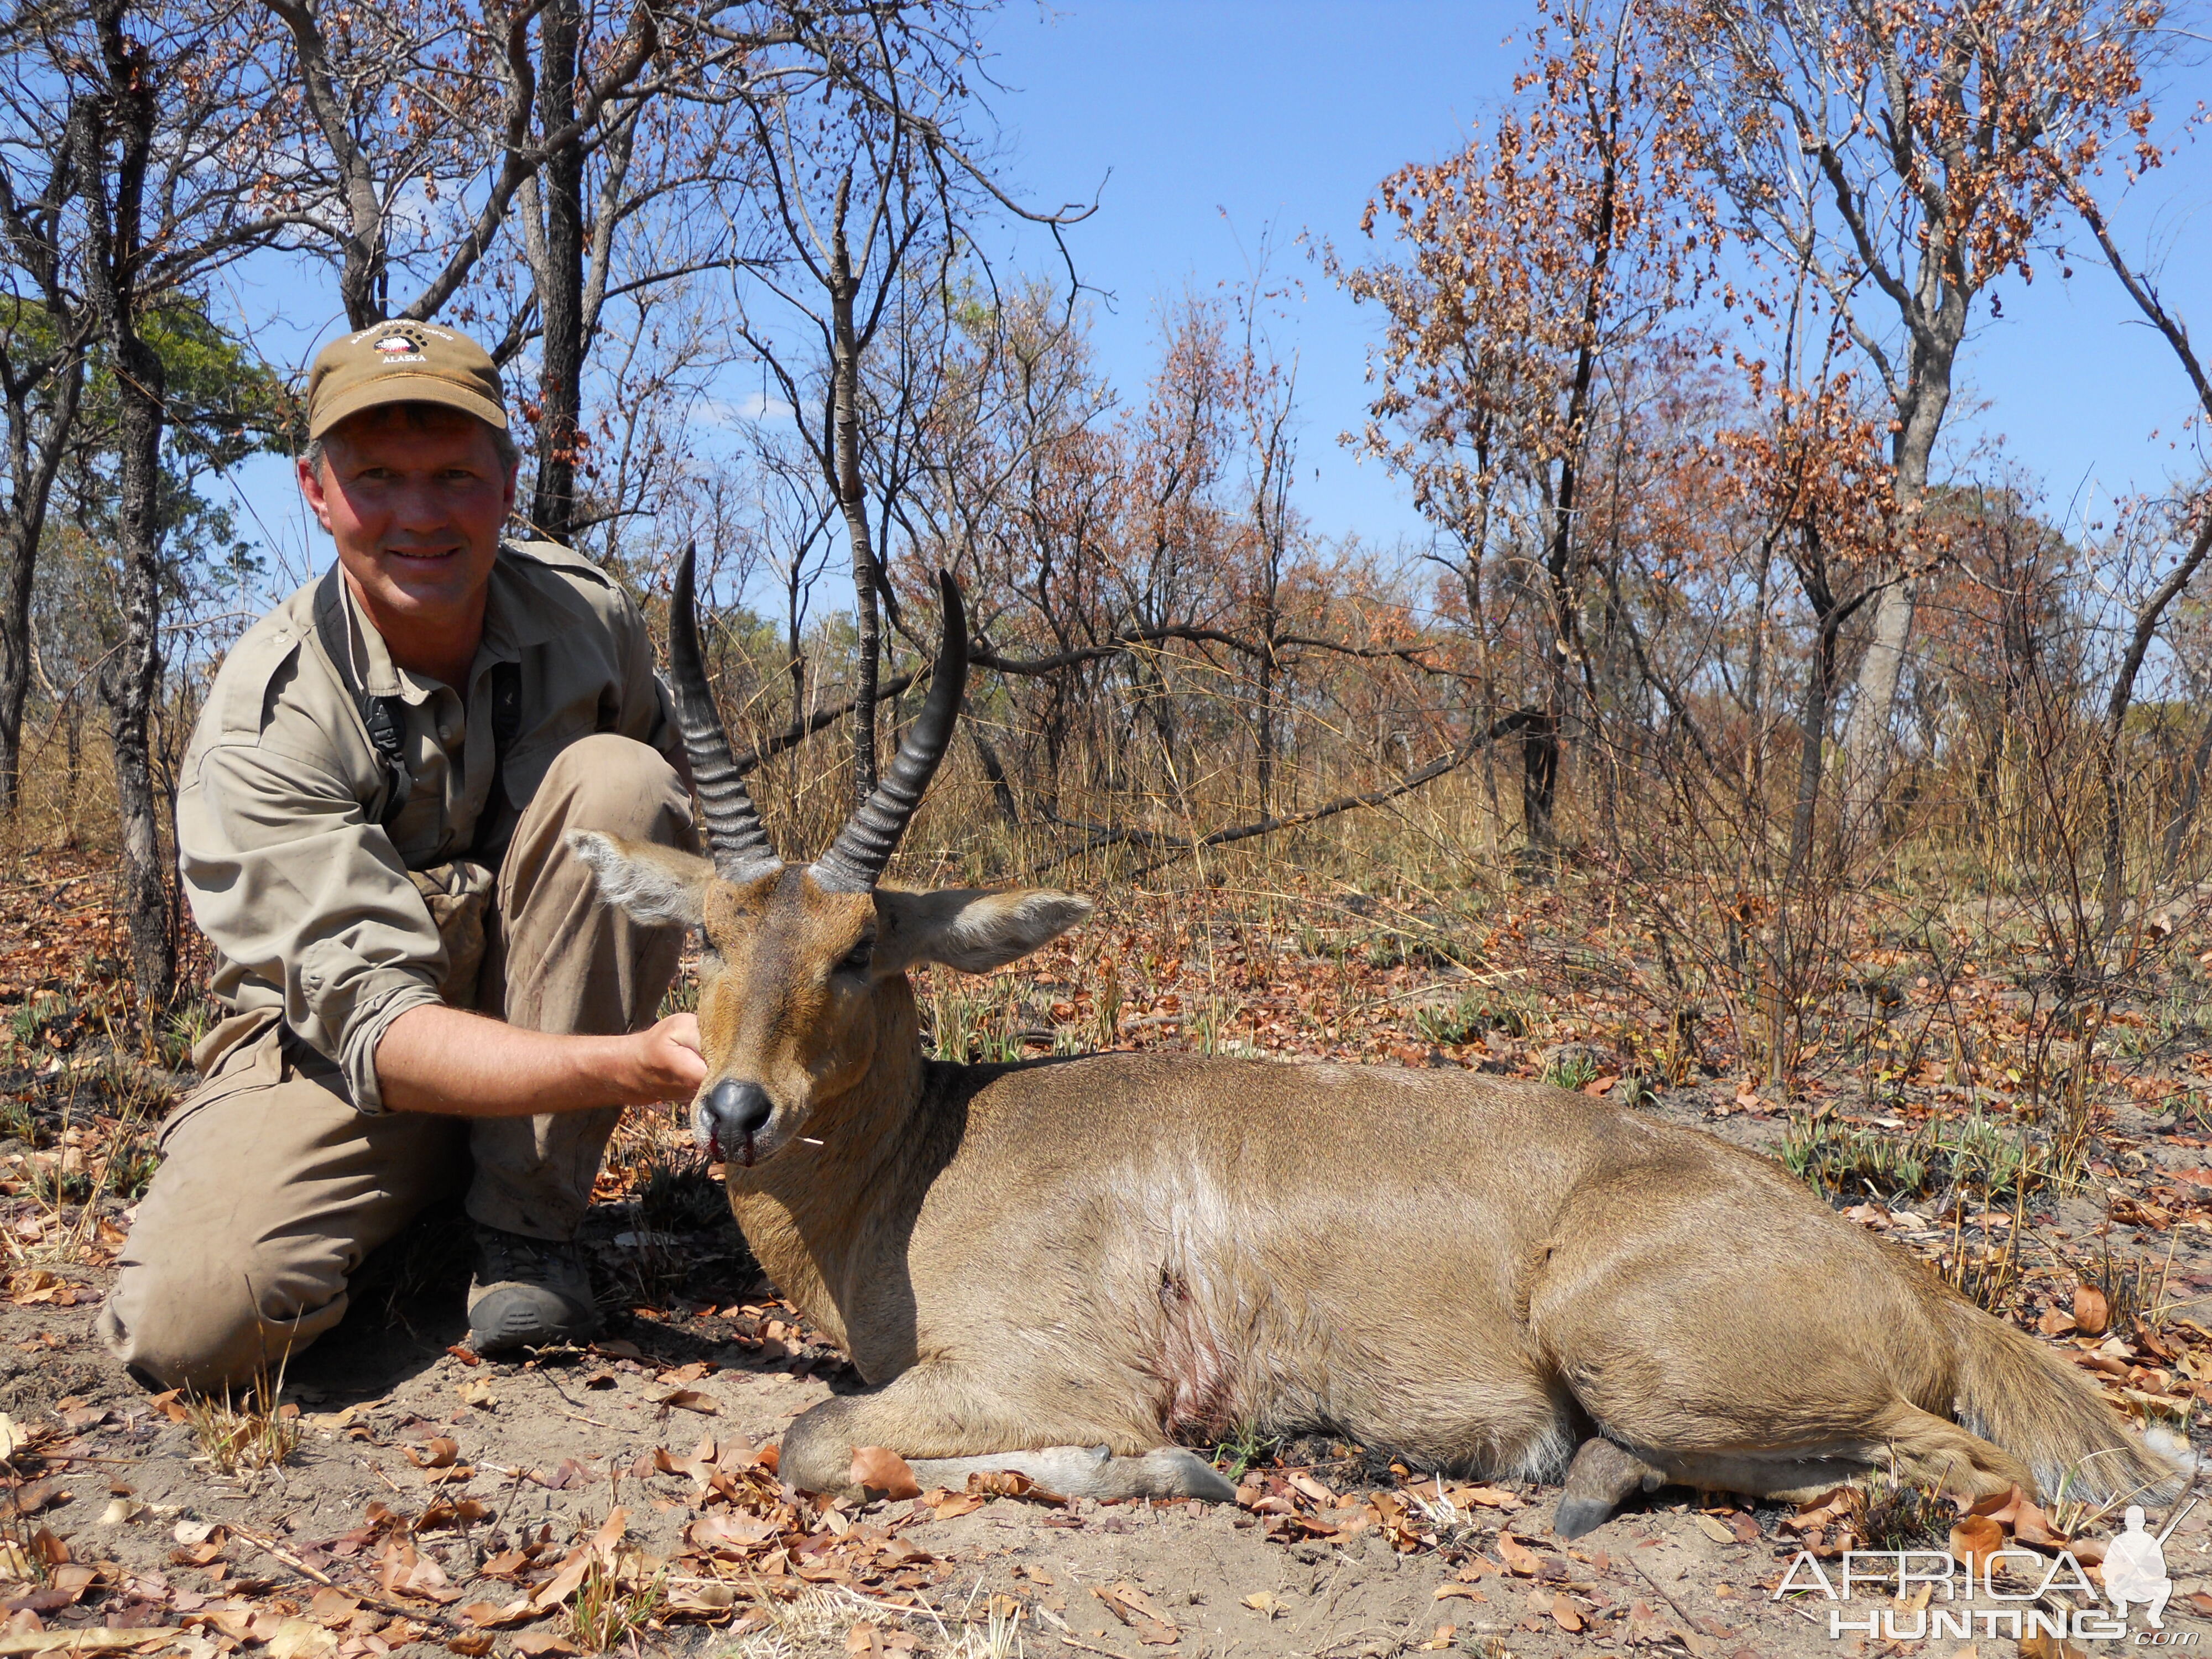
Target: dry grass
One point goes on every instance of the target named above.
(236, 1437)
(613, 1605)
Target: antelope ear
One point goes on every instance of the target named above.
(652, 883)
(972, 931)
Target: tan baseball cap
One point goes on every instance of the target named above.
(402, 362)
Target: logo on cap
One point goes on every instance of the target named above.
(393, 345)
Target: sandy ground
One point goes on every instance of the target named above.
(431, 1500)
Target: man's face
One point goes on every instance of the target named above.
(414, 497)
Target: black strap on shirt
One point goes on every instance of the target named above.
(386, 717)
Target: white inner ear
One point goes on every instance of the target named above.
(656, 885)
(975, 931)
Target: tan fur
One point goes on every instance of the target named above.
(1125, 1251)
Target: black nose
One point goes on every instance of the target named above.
(738, 1110)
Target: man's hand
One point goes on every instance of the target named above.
(668, 1062)
(443, 1059)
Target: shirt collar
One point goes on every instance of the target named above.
(518, 614)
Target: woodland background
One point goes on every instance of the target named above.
(1710, 635)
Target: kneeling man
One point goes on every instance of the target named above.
(425, 996)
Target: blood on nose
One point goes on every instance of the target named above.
(738, 1110)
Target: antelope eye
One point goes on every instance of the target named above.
(857, 959)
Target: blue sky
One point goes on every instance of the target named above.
(1211, 121)
(1204, 126)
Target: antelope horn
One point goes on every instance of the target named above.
(735, 835)
(855, 861)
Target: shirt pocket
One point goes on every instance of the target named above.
(574, 717)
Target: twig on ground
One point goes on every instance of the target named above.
(1660, 1592)
(368, 1599)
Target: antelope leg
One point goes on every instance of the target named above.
(1090, 1472)
(1602, 1474)
(948, 1423)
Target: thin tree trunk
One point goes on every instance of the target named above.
(845, 414)
(1264, 736)
(1867, 736)
(560, 280)
(2148, 617)
(1754, 700)
(115, 200)
(34, 464)
(73, 733)
(2192, 796)
(994, 769)
(1540, 782)
(1813, 737)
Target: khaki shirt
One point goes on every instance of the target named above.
(288, 872)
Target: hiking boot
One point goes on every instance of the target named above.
(528, 1293)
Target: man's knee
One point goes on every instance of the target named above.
(218, 1319)
(620, 786)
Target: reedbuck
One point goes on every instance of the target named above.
(1075, 1268)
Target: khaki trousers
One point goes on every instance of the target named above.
(273, 1188)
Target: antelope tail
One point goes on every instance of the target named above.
(2009, 1389)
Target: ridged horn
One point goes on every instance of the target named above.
(856, 859)
(735, 835)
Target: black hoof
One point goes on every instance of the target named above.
(1578, 1515)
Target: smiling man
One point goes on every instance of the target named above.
(424, 997)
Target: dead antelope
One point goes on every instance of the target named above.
(1076, 1268)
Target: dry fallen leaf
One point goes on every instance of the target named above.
(1974, 1537)
(437, 1453)
(301, 1638)
(477, 1392)
(1714, 1529)
(485, 1615)
(1563, 1613)
(401, 1571)
(1012, 1483)
(882, 1473)
(701, 1600)
(1135, 1609)
(689, 1399)
(80, 1640)
(2092, 1312)
(732, 1530)
(1518, 1557)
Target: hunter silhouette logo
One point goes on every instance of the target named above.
(1918, 1584)
(2135, 1568)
